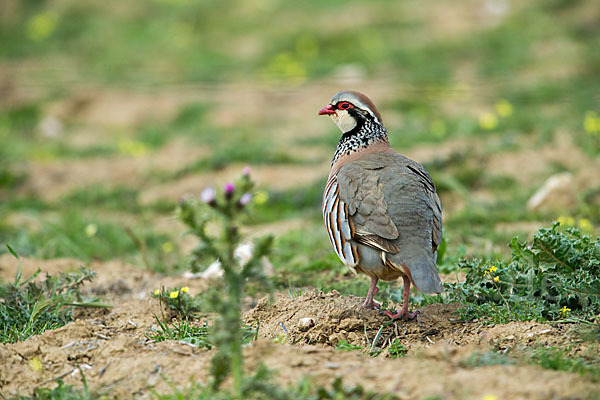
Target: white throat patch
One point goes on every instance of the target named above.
(343, 120)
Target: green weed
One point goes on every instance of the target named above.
(345, 346)
(30, 307)
(182, 330)
(484, 359)
(553, 278)
(559, 359)
(397, 349)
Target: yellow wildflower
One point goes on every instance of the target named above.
(174, 294)
(261, 197)
(591, 123)
(42, 25)
(488, 121)
(493, 268)
(156, 292)
(585, 225)
(489, 397)
(496, 279)
(91, 230)
(504, 108)
(167, 247)
(132, 148)
(36, 364)
(185, 289)
(565, 311)
(566, 221)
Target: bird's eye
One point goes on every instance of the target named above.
(345, 105)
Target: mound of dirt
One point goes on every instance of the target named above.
(337, 318)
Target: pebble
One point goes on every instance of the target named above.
(305, 324)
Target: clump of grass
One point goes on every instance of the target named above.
(397, 349)
(29, 308)
(558, 359)
(183, 331)
(556, 277)
(484, 359)
(180, 302)
(345, 346)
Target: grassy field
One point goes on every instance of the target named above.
(111, 113)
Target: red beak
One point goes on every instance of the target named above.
(327, 110)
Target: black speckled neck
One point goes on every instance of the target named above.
(366, 132)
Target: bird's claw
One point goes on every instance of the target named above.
(375, 305)
(409, 316)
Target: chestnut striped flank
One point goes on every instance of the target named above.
(338, 225)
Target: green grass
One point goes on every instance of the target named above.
(397, 349)
(485, 359)
(183, 331)
(559, 359)
(63, 392)
(343, 345)
(31, 306)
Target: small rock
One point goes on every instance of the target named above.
(51, 127)
(557, 193)
(213, 271)
(305, 324)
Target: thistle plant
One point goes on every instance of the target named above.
(228, 208)
(556, 277)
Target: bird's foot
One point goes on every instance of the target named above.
(372, 305)
(401, 314)
(369, 303)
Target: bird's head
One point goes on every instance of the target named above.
(351, 109)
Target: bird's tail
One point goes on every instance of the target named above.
(423, 273)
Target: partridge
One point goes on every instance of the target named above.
(381, 211)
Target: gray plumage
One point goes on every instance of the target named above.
(394, 198)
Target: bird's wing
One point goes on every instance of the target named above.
(434, 202)
(360, 189)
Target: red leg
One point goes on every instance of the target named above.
(403, 313)
(373, 290)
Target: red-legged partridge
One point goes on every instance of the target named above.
(382, 213)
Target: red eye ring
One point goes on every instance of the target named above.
(344, 105)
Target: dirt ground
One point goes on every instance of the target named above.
(119, 360)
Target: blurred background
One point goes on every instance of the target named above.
(110, 111)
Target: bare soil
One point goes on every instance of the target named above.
(119, 360)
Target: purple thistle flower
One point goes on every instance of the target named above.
(208, 196)
(246, 171)
(229, 189)
(245, 199)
